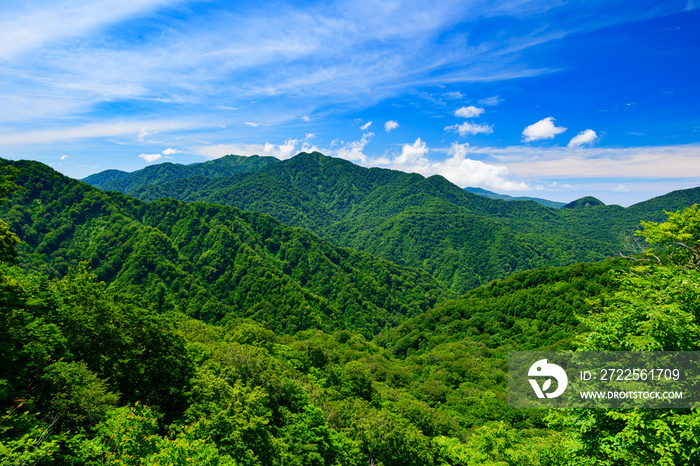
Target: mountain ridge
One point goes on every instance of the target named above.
(461, 238)
(210, 261)
(117, 180)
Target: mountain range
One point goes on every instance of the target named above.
(346, 316)
(462, 239)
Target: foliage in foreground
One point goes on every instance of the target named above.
(88, 377)
(657, 308)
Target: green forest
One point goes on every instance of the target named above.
(251, 311)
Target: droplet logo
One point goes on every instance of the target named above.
(543, 369)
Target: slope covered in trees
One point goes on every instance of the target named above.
(91, 373)
(90, 377)
(210, 261)
(116, 180)
(462, 239)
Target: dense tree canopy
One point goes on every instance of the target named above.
(163, 333)
(464, 240)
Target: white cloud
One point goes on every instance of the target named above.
(353, 150)
(250, 123)
(543, 129)
(412, 155)
(151, 157)
(457, 167)
(469, 112)
(470, 128)
(491, 101)
(286, 150)
(171, 151)
(584, 137)
(307, 147)
(680, 161)
(366, 125)
(310, 136)
(391, 124)
(89, 52)
(281, 151)
(465, 172)
(305, 118)
(64, 157)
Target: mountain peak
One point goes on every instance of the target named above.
(587, 201)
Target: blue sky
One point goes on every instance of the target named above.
(552, 99)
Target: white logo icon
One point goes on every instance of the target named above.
(543, 369)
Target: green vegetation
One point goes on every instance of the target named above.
(462, 239)
(210, 261)
(166, 333)
(656, 308)
(115, 180)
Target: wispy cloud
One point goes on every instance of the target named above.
(90, 70)
(655, 162)
(366, 125)
(81, 59)
(453, 95)
(491, 101)
(469, 128)
(34, 24)
(137, 130)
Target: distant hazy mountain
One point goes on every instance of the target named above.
(505, 197)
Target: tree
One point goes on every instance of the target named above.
(656, 309)
(8, 240)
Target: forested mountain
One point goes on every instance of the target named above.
(210, 261)
(116, 180)
(462, 239)
(315, 354)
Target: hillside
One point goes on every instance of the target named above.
(127, 372)
(210, 261)
(463, 239)
(116, 180)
